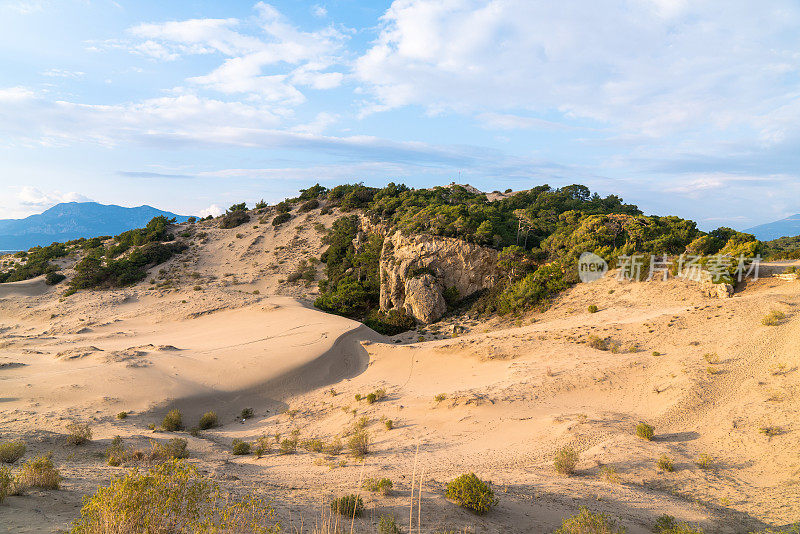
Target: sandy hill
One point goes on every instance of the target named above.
(221, 328)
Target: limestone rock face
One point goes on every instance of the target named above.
(416, 270)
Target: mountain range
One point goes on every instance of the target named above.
(72, 220)
(790, 226)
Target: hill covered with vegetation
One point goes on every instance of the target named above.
(538, 234)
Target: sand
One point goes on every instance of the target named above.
(512, 391)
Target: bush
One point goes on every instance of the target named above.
(586, 522)
(234, 219)
(440, 397)
(11, 451)
(383, 485)
(389, 424)
(348, 505)
(40, 472)
(665, 463)
(314, 445)
(371, 398)
(79, 433)
(281, 218)
(705, 461)
(334, 448)
(53, 278)
(645, 431)
(162, 452)
(263, 446)
(565, 461)
(288, 446)
(173, 421)
(308, 205)
(593, 309)
(115, 452)
(389, 323)
(208, 420)
(122, 415)
(6, 483)
(388, 525)
(246, 413)
(666, 524)
(240, 447)
(359, 444)
(472, 493)
(171, 497)
(773, 318)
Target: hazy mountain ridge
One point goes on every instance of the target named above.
(790, 226)
(73, 220)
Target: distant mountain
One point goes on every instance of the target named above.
(72, 220)
(790, 226)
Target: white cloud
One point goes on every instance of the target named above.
(508, 121)
(32, 197)
(651, 67)
(319, 11)
(60, 73)
(213, 210)
(15, 94)
(271, 67)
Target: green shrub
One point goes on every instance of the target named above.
(208, 420)
(565, 461)
(171, 497)
(371, 398)
(11, 451)
(334, 448)
(115, 452)
(172, 449)
(78, 433)
(348, 505)
(280, 219)
(246, 413)
(472, 493)
(705, 461)
(308, 205)
(240, 447)
(665, 463)
(389, 424)
(54, 278)
(388, 525)
(263, 446)
(358, 444)
(382, 485)
(234, 219)
(440, 397)
(122, 415)
(586, 522)
(389, 323)
(40, 472)
(6, 483)
(666, 524)
(593, 309)
(773, 318)
(173, 421)
(645, 431)
(314, 445)
(288, 446)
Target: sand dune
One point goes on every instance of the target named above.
(511, 391)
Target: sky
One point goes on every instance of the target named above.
(688, 108)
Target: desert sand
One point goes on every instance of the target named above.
(220, 329)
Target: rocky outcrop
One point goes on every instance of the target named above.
(713, 289)
(417, 270)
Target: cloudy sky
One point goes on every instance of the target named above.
(682, 107)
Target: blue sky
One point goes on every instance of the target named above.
(682, 107)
